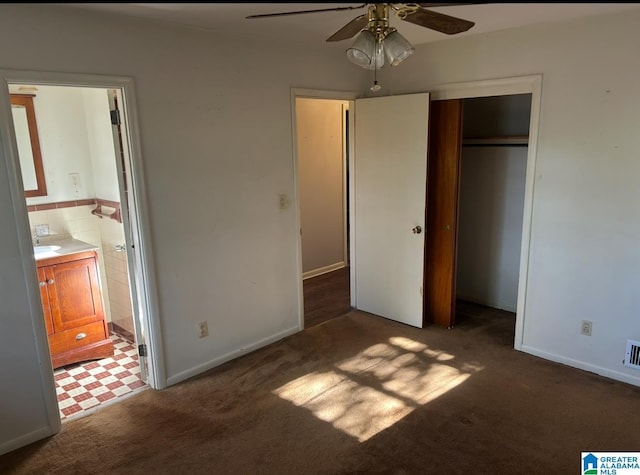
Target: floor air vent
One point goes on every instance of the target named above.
(632, 357)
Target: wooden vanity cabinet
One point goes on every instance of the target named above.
(73, 309)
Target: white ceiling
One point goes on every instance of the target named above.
(229, 18)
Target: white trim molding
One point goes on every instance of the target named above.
(313, 94)
(531, 84)
(608, 373)
(323, 270)
(26, 439)
(486, 88)
(196, 370)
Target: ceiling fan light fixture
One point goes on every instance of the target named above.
(397, 48)
(363, 50)
(377, 61)
(376, 38)
(367, 51)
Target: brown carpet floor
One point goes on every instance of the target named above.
(358, 394)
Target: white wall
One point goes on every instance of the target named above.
(320, 180)
(490, 224)
(101, 147)
(74, 128)
(64, 143)
(216, 153)
(584, 255)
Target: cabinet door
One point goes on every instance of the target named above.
(44, 296)
(74, 293)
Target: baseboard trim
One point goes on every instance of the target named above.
(26, 439)
(608, 373)
(499, 306)
(201, 368)
(323, 270)
(126, 334)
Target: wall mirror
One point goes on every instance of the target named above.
(24, 121)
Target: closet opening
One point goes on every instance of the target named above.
(493, 166)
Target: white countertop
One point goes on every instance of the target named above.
(61, 248)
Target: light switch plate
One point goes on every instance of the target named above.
(75, 182)
(203, 329)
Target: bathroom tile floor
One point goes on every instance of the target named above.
(84, 386)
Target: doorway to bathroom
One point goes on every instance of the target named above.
(72, 144)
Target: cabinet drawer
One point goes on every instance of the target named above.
(77, 337)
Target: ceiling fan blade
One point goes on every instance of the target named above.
(439, 21)
(265, 15)
(434, 5)
(350, 29)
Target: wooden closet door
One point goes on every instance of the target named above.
(443, 176)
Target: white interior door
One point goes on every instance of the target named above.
(120, 140)
(390, 167)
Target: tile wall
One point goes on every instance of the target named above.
(117, 273)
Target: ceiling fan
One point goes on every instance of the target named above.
(376, 39)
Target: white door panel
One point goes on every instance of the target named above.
(390, 183)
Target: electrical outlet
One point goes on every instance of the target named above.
(203, 329)
(585, 329)
(42, 230)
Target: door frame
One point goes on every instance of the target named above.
(144, 270)
(320, 94)
(531, 84)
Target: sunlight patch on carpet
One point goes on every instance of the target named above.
(358, 410)
(376, 388)
(415, 346)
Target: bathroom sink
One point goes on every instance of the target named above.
(43, 249)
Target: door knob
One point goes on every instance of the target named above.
(81, 336)
(42, 284)
(417, 230)
(51, 282)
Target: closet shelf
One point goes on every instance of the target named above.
(506, 140)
